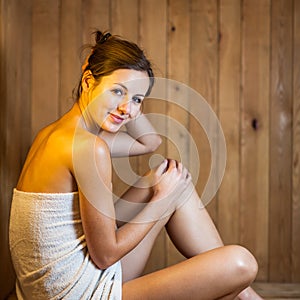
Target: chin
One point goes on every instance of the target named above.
(112, 128)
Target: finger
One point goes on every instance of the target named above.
(185, 173)
(180, 167)
(172, 164)
(162, 167)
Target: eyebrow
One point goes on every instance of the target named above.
(124, 87)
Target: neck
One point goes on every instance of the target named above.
(85, 119)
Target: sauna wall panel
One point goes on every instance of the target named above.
(241, 56)
(281, 112)
(229, 114)
(296, 148)
(254, 131)
(15, 115)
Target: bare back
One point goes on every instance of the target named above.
(48, 166)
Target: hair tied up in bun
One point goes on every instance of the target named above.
(100, 38)
(111, 53)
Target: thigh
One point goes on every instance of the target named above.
(135, 261)
(214, 274)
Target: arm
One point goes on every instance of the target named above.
(140, 138)
(105, 243)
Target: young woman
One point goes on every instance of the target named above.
(70, 240)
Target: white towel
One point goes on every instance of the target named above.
(49, 251)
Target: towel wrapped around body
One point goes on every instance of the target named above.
(50, 254)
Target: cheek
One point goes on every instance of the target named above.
(106, 102)
(112, 102)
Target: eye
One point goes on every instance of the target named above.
(137, 100)
(118, 92)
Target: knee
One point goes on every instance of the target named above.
(244, 265)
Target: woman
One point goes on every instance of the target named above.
(68, 238)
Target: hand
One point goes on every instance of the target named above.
(170, 179)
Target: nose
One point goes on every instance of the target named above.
(125, 107)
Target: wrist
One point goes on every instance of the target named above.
(135, 118)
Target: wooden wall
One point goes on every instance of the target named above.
(242, 56)
(15, 115)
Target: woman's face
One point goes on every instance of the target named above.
(117, 99)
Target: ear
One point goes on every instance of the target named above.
(87, 80)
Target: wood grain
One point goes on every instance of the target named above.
(203, 79)
(295, 273)
(45, 64)
(15, 131)
(178, 70)
(70, 49)
(229, 113)
(281, 142)
(95, 16)
(254, 180)
(124, 18)
(242, 56)
(277, 290)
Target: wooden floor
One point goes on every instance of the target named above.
(269, 291)
(278, 291)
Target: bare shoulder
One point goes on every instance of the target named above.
(87, 146)
(86, 142)
(91, 158)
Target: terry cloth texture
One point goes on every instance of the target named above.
(50, 254)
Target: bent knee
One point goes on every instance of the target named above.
(244, 263)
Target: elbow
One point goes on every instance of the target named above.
(155, 143)
(104, 259)
(104, 263)
(158, 142)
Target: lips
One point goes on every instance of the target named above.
(116, 119)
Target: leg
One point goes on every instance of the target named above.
(192, 232)
(134, 262)
(191, 229)
(220, 273)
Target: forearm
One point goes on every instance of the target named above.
(142, 130)
(139, 138)
(128, 236)
(126, 239)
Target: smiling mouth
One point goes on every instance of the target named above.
(117, 119)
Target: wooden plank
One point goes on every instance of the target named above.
(6, 281)
(254, 174)
(15, 133)
(271, 298)
(203, 78)
(281, 141)
(45, 63)
(153, 38)
(229, 113)
(95, 15)
(124, 18)
(277, 290)
(178, 70)
(70, 44)
(295, 273)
